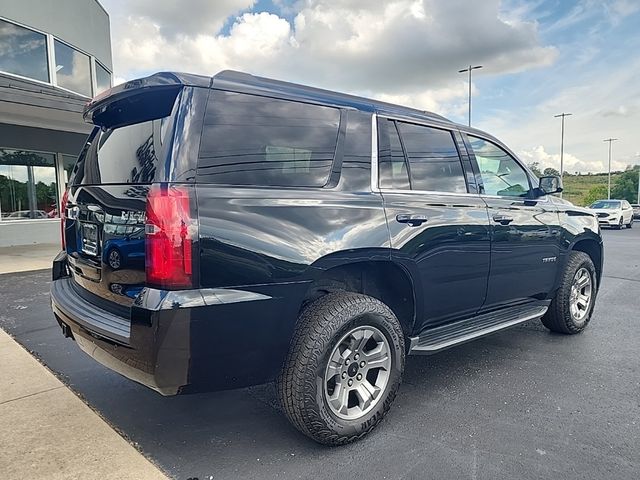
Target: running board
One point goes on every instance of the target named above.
(436, 339)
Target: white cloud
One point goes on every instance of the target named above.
(572, 164)
(407, 49)
(409, 52)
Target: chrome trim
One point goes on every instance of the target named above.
(156, 300)
(374, 153)
(429, 192)
(436, 347)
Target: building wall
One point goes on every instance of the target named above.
(41, 125)
(82, 23)
(29, 232)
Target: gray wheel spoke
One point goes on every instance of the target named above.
(364, 395)
(340, 398)
(364, 338)
(376, 358)
(333, 369)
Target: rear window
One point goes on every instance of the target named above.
(129, 153)
(261, 141)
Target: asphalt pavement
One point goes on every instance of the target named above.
(524, 403)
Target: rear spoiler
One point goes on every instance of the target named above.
(159, 91)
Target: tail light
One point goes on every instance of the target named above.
(63, 218)
(170, 232)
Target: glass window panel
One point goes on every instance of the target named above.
(392, 167)
(73, 69)
(23, 52)
(501, 174)
(253, 140)
(103, 79)
(434, 162)
(28, 188)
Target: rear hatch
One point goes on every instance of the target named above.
(129, 217)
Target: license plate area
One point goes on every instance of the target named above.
(89, 238)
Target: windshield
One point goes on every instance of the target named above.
(606, 204)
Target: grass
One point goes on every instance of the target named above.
(576, 187)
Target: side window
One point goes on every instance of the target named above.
(434, 163)
(355, 174)
(392, 168)
(253, 140)
(501, 174)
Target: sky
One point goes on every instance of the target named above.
(540, 58)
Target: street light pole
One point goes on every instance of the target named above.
(464, 70)
(562, 115)
(638, 202)
(610, 140)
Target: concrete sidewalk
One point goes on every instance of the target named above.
(23, 258)
(48, 432)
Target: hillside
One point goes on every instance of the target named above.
(576, 187)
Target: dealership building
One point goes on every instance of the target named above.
(54, 56)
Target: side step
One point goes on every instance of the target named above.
(439, 338)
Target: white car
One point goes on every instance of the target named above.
(613, 213)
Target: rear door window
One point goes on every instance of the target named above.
(261, 141)
(392, 169)
(434, 163)
(418, 157)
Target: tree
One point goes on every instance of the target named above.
(597, 192)
(626, 185)
(551, 171)
(535, 168)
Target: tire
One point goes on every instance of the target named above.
(561, 316)
(620, 224)
(114, 259)
(630, 224)
(302, 386)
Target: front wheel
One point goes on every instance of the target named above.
(620, 224)
(630, 224)
(572, 305)
(343, 369)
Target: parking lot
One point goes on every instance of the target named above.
(524, 403)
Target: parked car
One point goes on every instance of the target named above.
(27, 214)
(636, 211)
(307, 237)
(613, 213)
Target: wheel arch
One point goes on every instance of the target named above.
(593, 248)
(385, 280)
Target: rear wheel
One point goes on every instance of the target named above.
(343, 369)
(572, 305)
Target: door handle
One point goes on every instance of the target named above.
(413, 220)
(502, 218)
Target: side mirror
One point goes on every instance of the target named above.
(550, 184)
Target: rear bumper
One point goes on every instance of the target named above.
(182, 341)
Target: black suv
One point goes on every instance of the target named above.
(228, 231)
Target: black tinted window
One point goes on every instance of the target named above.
(252, 140)
(355, 174)
(434, 162)
(121, 155)
(392, 168)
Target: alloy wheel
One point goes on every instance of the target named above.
(581, 294)
(357, 373)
